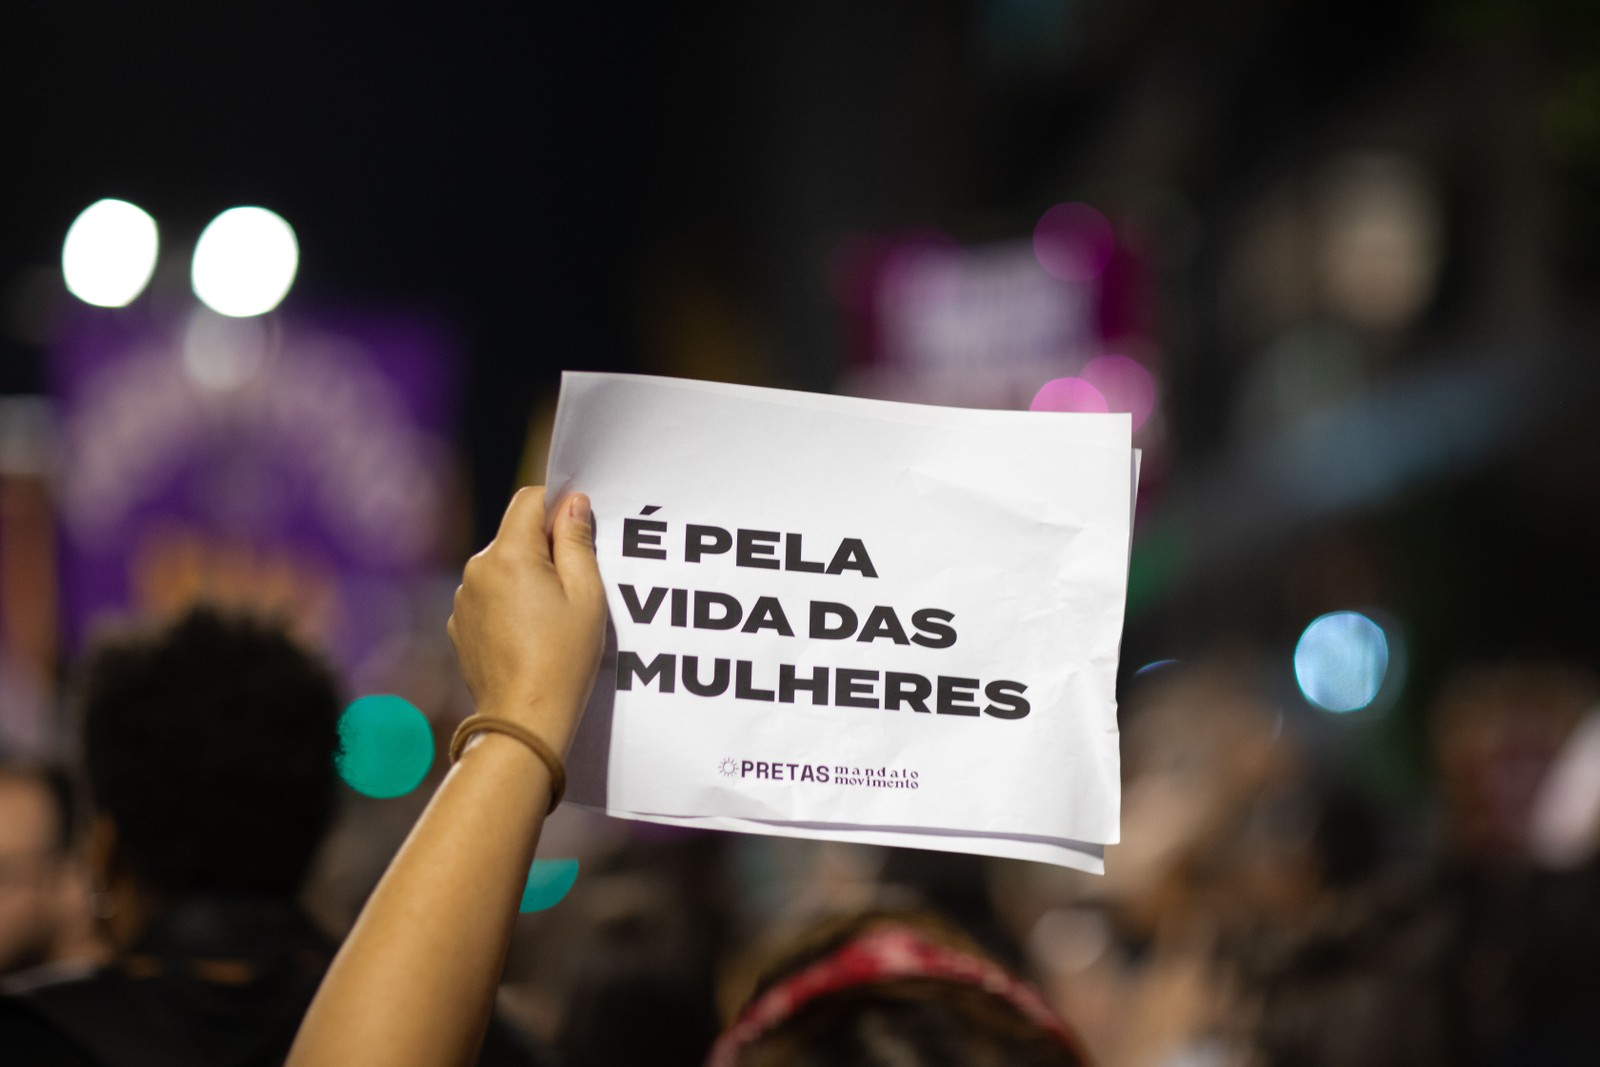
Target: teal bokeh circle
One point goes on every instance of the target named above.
(387, 746)
(548, 882)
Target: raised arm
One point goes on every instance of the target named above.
(414, 983)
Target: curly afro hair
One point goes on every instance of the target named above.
(211, 744)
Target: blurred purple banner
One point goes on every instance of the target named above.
(298, 465)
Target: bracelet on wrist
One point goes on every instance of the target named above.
(479, 723)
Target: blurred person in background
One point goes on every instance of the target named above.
(1368, 989)
(1525, 945)
(1226, 833)
(46, 922)
(208, 747)
(415, 981)
(1497, 731)
(642, 953)
(1487, 957)
(883, 990)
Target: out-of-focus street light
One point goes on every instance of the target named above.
(245, 262)
(109, 253)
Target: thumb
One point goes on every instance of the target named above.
(572, 547)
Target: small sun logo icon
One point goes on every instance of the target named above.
(727, 767)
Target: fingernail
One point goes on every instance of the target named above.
(580, 508)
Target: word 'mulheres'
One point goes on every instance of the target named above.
(840, 687)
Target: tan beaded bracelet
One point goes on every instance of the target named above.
(474, 724)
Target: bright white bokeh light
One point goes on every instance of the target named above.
(245, 262)
(1341, 661)
(110, 253)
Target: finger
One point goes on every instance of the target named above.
(522, 526)
(573, 546)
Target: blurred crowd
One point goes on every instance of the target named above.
(1261, 910)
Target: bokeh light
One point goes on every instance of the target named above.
(245, 262)
(387, 746)
(1125, 384)
(223, 353)
(548, 883)
(1341, 661)
(109, 253)
(1068, 394)
(1382, 239)
(1073, 242)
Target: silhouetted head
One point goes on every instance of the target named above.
(209, 748)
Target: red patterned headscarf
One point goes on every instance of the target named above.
(883, 954)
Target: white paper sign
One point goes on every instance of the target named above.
(853, 619)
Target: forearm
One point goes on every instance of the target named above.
(415, 980)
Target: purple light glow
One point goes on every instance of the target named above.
(1069, 394)
(1073, 242)
(1125, 384)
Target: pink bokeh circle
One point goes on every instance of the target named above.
(1125, 384)
(1068, 394)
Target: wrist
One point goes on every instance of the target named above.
(515, 757)
(554, 718)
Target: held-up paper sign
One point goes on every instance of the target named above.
(853, 619)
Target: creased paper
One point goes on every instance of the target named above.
(853, 619)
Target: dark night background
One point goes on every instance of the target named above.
(544, 175)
